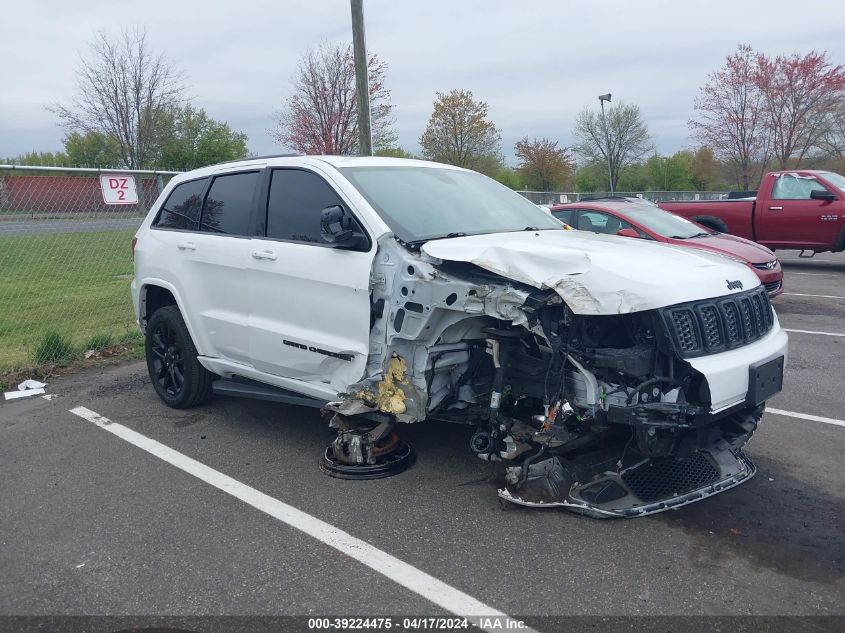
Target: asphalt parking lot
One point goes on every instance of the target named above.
(95, 523)
(73, 225)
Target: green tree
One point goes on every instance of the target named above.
(40, 159)
(508, 177)
(591, 177)
(93, 149)
(636, 177)
(394, 152)
(459, 133)
(489, 165)
(671, 173)
(197, 140)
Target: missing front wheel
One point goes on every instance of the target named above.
(360, 452)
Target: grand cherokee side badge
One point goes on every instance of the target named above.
(734, 285)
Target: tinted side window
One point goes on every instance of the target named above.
(293, 208)
(564, 216)
(229, 203)
(181, 210)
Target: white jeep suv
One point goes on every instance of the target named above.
(613, 377)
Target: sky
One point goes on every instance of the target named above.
(536, 63)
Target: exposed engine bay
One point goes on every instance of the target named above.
(601, 414)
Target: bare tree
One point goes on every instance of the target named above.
(731, 116)
(618, 139)
(321, 114)
(832, 141)
(756, 108)
(124, 91)
(459, 133)
(800, 92)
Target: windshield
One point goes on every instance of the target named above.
(422, 203)
(837, 180)
(665, 223)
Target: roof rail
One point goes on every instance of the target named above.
(624, 198)
(238, 160)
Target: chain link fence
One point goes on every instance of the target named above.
(66, 261)
(555, 197)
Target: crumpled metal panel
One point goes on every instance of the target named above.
(425, 314)
(598, 274)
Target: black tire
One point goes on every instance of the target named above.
(177, 376)
(712, 222)
(840, 243)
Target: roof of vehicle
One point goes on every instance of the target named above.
(613, 203)
(281, 160)
(800, 171)
(380, 161)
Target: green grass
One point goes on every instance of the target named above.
(99, 341)
(75, 285)
(54, 349)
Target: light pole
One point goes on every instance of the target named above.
(362, 83)
(602, 99)
(664, 167)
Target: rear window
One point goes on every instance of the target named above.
(181, 210)
(228, 205)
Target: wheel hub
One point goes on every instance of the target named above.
(365, 453)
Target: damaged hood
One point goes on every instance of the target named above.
(599, 274)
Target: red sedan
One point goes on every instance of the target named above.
(634, 217)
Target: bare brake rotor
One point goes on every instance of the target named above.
(365, 453)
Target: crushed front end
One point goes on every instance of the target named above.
(610, 415)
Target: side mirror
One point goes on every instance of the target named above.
(339, 229)
(822, 194)
(627, 233)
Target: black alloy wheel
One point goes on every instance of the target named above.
(177, 375)
(168, 363)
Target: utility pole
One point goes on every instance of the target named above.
(362, 82)
(602, 99)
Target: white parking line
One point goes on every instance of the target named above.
(806, 416)
(798, 294)
(413, 579)
(813, 332)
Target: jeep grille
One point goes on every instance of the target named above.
(715, 325)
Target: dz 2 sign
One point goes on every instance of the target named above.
(118, 189)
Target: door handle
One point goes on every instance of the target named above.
(775, 208)
(264, 255)
(186, 246)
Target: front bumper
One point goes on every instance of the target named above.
(727, 372)
(646, 485)
(772, 279)
(732, 468)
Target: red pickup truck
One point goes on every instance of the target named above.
(799, 209)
